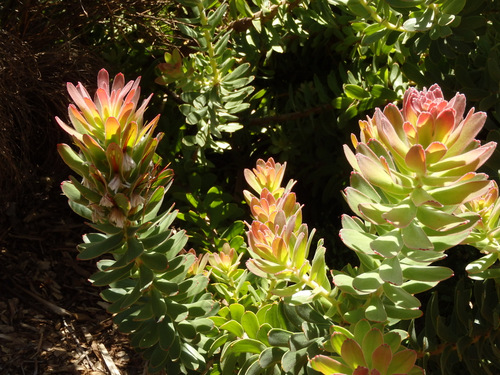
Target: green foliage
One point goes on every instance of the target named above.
(465, 336)
(288, 78)
(317, 65)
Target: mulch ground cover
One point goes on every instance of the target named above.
(52, 320)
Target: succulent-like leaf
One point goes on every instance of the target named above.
(414, 237)
(328, 366)
(352, 354)
(389, 244)
(375, 310)
(390, 271)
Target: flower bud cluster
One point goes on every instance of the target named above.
(278, 240)
(117, 162)
(367, 351)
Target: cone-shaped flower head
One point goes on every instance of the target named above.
(418, 162)
(225, 263)
(277, 238)
(267, 174)
(367, 351)
(429, 138)
(117, 157)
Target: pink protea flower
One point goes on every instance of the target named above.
(117, 161)
(267, 174)
(90, 116)
(225, 263)
(430, 135)
(366, 352)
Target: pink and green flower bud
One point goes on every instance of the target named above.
(430, 137)
(117, 157)
(224, 264)
(366, 351)
(199, 264)
(267, 175)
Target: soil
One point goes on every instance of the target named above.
(52, 320)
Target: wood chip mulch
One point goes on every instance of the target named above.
(52, 321)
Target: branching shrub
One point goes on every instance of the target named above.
(269, 306)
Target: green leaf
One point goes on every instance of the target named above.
(413, 73)
(146, 277)
(131, 297)
(246, 346)
(156, 261)
(404, 3)
(158, 358)
(262, 333)
(279, 337)
(428, 273)
(250, 324)
(153, 241)
(482, 264)
(461, 192)
(103, 278)
(166, 287)
(271, 356)
(355, 92)
(390, 271)
(237, 73)
(414, 237)
(154, 204)
(375, 310)
(134, 249)
(415, 287)
(173, 245)
(358, 241)
(294, 361)
(370, 342)
(73, 160)
(358, 9)
(233, 327)
(176, 311)
(186, 330)
(389, 244)
(318, 268)
(95, 249)
(439, 220)
(352, 354)
(367, 282)
(401, 215)
(215, 18)
(453, 6)
(73, 193)
(157, 303)
(422, 22)
(237, 310)
(190, 357)
(401, 297)
(373, 38)
(218, 342)
(190, 32)
(89, 194)
(328, 366)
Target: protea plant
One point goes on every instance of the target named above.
(117, 159)
(413, 171)
(366, 351)
(422, 159)
(156, 289)
(278, 241)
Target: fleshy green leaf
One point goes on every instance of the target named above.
(95, 249)
(328, 366)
